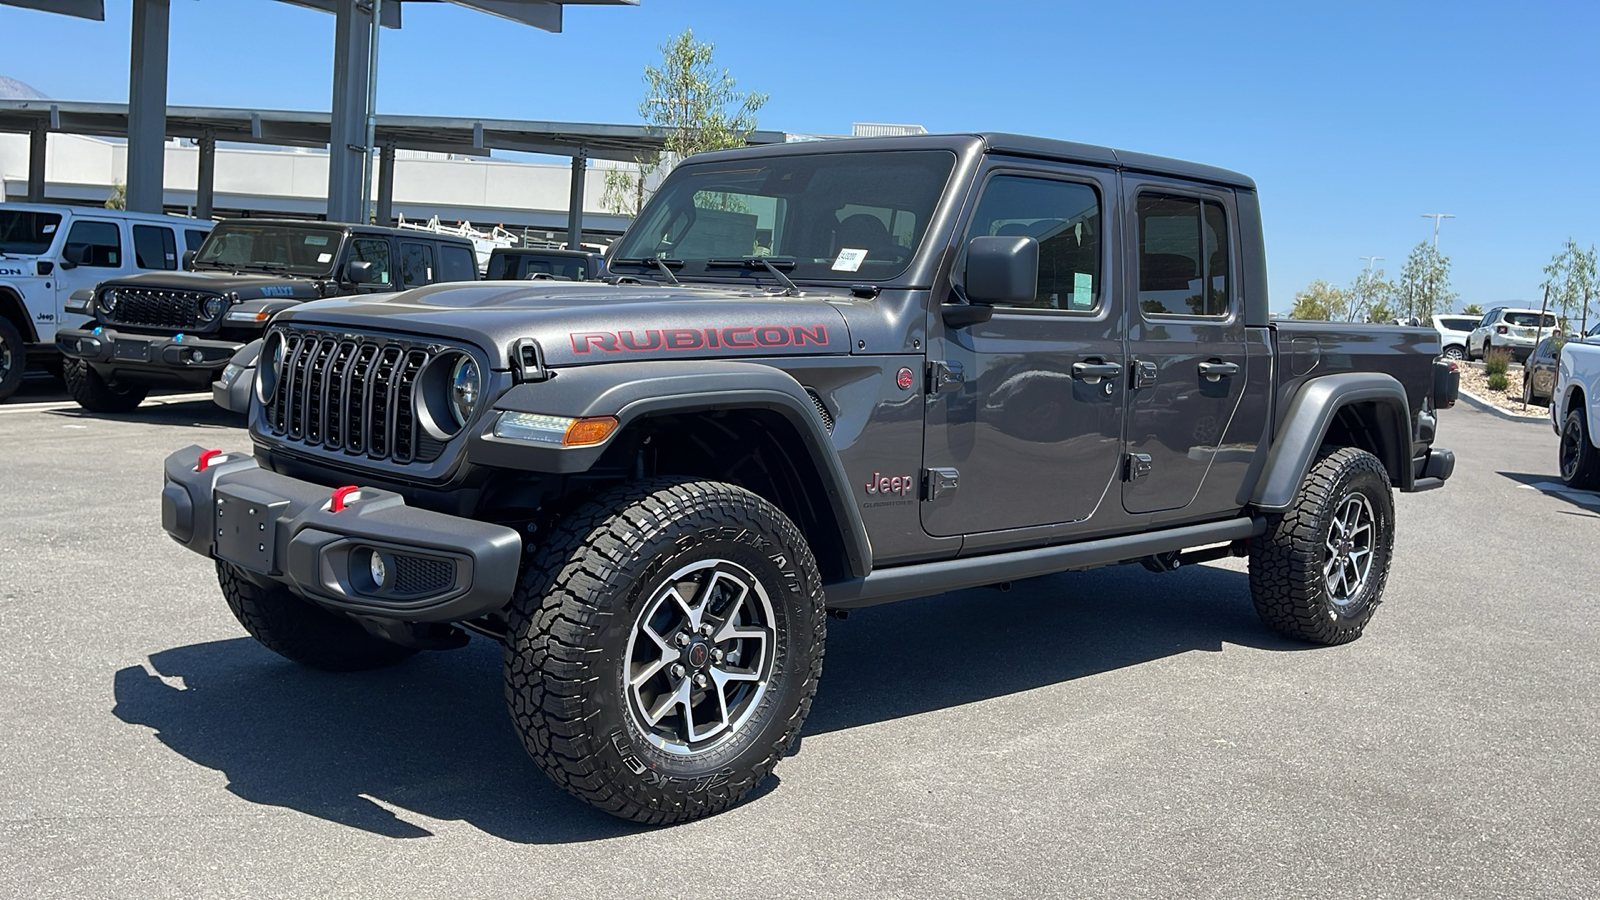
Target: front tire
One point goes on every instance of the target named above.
(1580, 461)
(1318, 572)
(95, 394)
(298, 630)
(13, 358)
(664, 649)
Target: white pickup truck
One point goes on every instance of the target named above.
(1574, 407)
(48, 252)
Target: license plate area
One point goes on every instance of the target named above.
(245, 522)
(136, 351)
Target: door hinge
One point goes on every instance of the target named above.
(1144, 374)
(1139, 465)
(939, 483)
(944, 376)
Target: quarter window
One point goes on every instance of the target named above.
(1064, 217)
(154, 247)
(375, 252)
(456, 263)
(193, 238)
(1184, 256)
(96, 244)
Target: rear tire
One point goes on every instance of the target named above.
(663, 650)
(1454, 351)
(1579, 460)
(96, 394)
(1318, 572)
(13, 358)
(298, 630)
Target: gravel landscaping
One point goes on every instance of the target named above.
(1476, 383)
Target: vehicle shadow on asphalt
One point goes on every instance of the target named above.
(200, 413)
(1552, 486)
(431, 735)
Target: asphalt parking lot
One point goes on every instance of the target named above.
(1106, 734)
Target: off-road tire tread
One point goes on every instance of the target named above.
(1285, 570)
(557, 611)
(12, 337)
(94, 394)
(300, 631)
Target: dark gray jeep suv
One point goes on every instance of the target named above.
(821, 376)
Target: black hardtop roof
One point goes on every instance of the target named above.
(542, 251)
(1006, 144)
(348, 228)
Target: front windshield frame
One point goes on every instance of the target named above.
(34, 240)
(882, 204)
(308, 250)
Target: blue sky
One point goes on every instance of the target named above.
(1354, 119)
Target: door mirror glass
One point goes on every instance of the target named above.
(359, 271)
(1002, 270)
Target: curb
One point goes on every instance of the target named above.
(1493, 410)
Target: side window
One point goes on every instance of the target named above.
(154, 247)
(193, 238)
(456, 263)
(1184, 256)
(416, 264)
(94, 244)
(1064, 217)
(374, 251)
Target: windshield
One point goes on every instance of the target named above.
(845, 216)
(26, 231)
(296, 249)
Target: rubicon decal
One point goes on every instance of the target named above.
(899, 485)
(654, 339)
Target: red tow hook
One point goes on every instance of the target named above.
(337, 505)
(205, 459)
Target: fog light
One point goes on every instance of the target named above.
(380, 572)
(197, 356)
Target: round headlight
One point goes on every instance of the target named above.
(465, 386)
(214, 306)
(108, 300)
(269, 365)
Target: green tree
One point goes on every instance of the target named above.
(1369, 293)
(1569, 278)
(1424, 287)
(119, 196)
(1321, 301)
(1382, 313)
(1472, 309)
(701, 105)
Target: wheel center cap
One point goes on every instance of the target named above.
(697, 655)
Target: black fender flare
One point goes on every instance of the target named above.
(13, 307)
(631, 391)
(1305, 427)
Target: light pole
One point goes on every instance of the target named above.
(1437, 218)
(1370, 260)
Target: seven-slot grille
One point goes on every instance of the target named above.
(352, 393)
(159, 308)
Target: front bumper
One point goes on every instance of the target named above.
(108, 347)
(439, 568)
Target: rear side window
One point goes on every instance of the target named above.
(1184, 256)
(154, 247)
(502, 266)
(457, 263)
(1064, 217)
(375, 252)
(97, 244)
(1456, 324)
(193, 238)
(416, 264)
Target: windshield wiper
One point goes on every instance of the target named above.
(770, 263)
(662, 263)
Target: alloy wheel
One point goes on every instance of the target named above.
(1350, 542)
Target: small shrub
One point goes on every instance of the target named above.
(1499, 382)
(1495, 362)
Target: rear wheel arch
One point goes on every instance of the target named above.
(1365, 410)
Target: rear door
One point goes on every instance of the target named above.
(1186, 332)
(416, 264)
(1033, 431)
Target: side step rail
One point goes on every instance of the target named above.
(925, 579)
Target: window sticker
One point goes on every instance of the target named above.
(1082, 290)
(324, 257)
(316, 240)
(48, 229)
(849, 260)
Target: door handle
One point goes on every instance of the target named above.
(1096, 371)
(1215, 370)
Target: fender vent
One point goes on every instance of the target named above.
(822, 409)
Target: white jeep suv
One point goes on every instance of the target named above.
(1508, 328)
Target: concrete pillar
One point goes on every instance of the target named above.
(352, 41)
(37, 144)
(580, 164)
(147, 105)
(208, 176)
(385, 214)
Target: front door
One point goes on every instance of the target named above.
(1033, 430)
(95, 249)
(1186, 332)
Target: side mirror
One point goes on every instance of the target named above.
(188, 259)
(1001, 270)
(358, 271)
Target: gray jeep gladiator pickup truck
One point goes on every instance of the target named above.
(183, 328)
(820, 376)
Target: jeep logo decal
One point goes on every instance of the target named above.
(698, 338)
(899, 485)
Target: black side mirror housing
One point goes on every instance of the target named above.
(358, 271)
(44, 267)
(188, 259)
(1001, 270)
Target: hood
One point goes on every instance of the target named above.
(593, 322)
(248, 286)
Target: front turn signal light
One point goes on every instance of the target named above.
(588, 432)
(558, 430)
